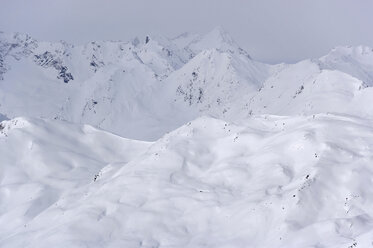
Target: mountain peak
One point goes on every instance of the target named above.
(219, 33)
(218, 39)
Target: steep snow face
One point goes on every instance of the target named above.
(162, 56)
(43, 161)
(268, 182)
(356, 61)
(216, 83)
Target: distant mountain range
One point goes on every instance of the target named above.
(144, 88)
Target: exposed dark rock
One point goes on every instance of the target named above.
(47, 59)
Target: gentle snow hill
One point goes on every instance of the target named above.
(42, 161)
(267, 182)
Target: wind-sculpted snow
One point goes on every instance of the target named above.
(42, 161)
(267, 182)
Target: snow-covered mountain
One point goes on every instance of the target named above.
(183, 142)
(119, 86)
(144, 88)
(356, 61)
(106, 84)
(309, 88)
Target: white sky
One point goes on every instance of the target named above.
(270, 30)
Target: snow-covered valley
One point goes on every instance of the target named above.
(183, 142)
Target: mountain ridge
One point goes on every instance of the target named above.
(155, 82)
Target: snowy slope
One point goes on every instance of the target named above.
(215, 83)
(267, 182)
(306, 88)
(43, 161)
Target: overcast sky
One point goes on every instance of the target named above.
(270, 30)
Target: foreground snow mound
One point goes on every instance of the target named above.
(267, 182)
(42, 161)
